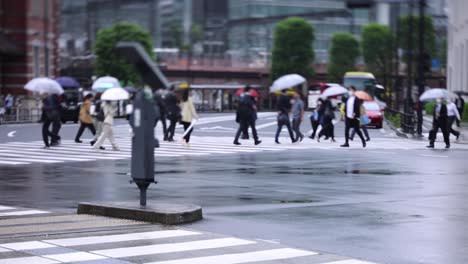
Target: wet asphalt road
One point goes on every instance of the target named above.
(389, 206)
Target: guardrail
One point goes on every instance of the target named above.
(20, 115)
(402, 120)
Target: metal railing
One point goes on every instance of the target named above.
(20, 115)
(399, 119)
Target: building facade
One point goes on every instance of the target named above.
(457, 72)
(28, 41)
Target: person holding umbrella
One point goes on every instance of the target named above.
(298, 116)
(453, 115)
(328, 129)
(315, 118)
(50, 108)
(86, 119)
(352, 112)
(440, 121)
(284, 107)
(107, 133)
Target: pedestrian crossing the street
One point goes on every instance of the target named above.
(23, 153)
(157, 245)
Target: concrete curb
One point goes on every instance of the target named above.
(162, 213)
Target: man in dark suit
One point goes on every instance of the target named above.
(440, 120)
(284, 107)
(245, 115)
(352, 114)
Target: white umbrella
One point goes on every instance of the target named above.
(104, 83)
(115, 94)
(44, 85)
(287, 81)
(435, 93)
(334, 90)
(378, 86)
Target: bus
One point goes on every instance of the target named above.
(365, 81)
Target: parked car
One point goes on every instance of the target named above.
(70, 102)
(375, 114)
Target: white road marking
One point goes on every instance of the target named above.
(266, 125)
(12, 163)
(265, 255)
(26, 212)
(74, 257)
(350, 261)
(6, 208)
(70, 242)
(433, 156)
(28, 260)
(30, 245)
(11, 134)
(4, 250)
(172, 248)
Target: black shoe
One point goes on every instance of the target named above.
(257, 142)
(294, 140)
(312, 137)
(364, 144)
(301, 138)
(346, 145)
(367, 139)
(333, 140)
(245, 137)
(165, 139)
(55, 143)
(277, 142)
(458, 136)
(237, 143)
(78, 141)
(430, 146)
(102, 148)
(351, 139)
(170, 140)
(92, 142)
(326, 138)
(447, 146)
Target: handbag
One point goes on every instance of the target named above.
(365, 120)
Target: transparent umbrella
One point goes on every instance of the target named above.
(104, 83)
(287, 81)
(44, 85)
(115, 94)
(434, 93)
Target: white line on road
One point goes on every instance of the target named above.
(75, 257)
(172, 248)
(265, 255)
(433, 156)
(80, 241)
(266, 125)
(6, 208)
(27, 212)
(12, 134)
(28, 260)
(30, 245)
(350, 261)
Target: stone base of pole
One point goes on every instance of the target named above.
(162, 213)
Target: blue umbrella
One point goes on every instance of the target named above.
(130, 89)
(68, 82)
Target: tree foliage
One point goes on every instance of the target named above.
(377, 42)
(429, 36)
(108, 62)
(342, 55)
(292, 51)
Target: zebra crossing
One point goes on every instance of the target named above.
(24, 153)
(152, 245)
(9, 211)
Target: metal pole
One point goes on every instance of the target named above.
(421, 82)
(409, 67)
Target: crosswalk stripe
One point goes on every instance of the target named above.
(256, 256)
(349, 261)
(50, 157)
(6, 208)
(75, 257)
(4, 250)
(12, 163)
(29, 245)
(68, 242)
(28, 260)
(26, 212)
(18, 157)
(172, 247)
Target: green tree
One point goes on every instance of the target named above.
(342, 55)
(292, 51)
(429, 37)
(107, 62)
(377, 49)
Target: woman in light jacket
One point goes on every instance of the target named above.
(86, 119)
(188, 114)
(107, 133)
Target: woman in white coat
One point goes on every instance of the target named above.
(188, 114)
(107, 133)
